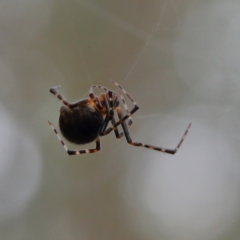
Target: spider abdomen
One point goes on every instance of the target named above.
(81, 124)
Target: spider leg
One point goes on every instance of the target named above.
(54, 91)
(137, 144)
(120, 93)
(73, 152)
(124, 91)
(130, 121)
(101, 87)
(96, 100)
(122, 120)
(103, 132)
(117, 134)
(109, 117)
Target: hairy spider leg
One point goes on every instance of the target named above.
(137, 144)
(74, 152)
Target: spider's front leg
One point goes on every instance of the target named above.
(129, 113)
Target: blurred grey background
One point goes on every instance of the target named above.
(180, 60)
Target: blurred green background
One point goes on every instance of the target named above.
(180, 62)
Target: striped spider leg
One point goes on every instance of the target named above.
(137, 144)
(121, 91)
(126, 131)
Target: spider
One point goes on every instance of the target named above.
(86, 120)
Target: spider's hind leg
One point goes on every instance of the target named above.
(137, 144)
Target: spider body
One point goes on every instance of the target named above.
(87, 120)
(81, 122)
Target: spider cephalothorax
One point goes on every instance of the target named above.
(86, 120)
